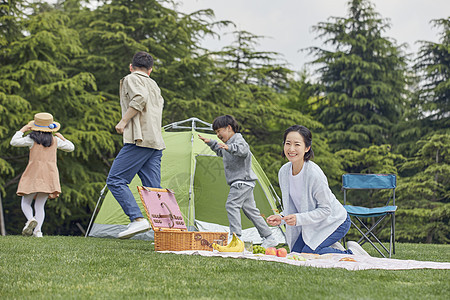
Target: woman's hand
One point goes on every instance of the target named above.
(290, 220)
(274, 220)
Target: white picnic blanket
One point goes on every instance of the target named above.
(330, 261)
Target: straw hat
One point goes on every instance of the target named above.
(44, 122)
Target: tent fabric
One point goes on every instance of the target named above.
(109, 231)
(196, 175)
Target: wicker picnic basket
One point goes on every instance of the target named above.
(168, 224)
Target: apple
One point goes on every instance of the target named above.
(282, 252)
(271, 251)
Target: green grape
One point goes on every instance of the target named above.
(258, 249)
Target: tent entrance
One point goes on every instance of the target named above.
(211, 192)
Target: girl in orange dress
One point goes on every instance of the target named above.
(40, 180)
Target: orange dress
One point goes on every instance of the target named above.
(41, 174)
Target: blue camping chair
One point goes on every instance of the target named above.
(372, 182)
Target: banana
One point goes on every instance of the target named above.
(236, 245)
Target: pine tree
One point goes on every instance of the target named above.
(430, 183)
(10, 12)
(427, 110)
(423, 136)
(425, 195)
(433, 63)
(361, 79)
(115, 30)
(37, 67)
(255, 87)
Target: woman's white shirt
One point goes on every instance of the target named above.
(307, 195)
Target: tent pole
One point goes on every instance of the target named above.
(95, 209)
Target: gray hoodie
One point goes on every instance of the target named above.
(237, 160)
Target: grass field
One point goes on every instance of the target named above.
(61, 267)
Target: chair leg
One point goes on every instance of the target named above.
(367, 238)
(369, 231)
(392, 236)
(390, 241)
(393, 233)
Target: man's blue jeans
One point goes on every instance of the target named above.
(132, 160)
(323, 248)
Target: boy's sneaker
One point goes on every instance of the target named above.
(338, 246)
(269, 241)
(29, 227)
(37, 234)
(356, 248)
(134, 228)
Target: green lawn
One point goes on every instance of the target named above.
(57, 267)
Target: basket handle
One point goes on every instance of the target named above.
(170, 213)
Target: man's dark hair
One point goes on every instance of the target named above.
(42, 138)
(142, 60)
(307, 139)
(224, 121)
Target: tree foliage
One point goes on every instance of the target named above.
(362, 78)
(433, 65)
(67, 59)
(427, 111)
(37, 75)
(429, 187)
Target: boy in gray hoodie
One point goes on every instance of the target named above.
(237, 161)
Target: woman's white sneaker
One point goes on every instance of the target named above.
(37, 234)
(356, 248)
(338, 246)
(29, 227)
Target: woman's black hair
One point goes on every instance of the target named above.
(307, 139)
(224, 121)
(42, 138)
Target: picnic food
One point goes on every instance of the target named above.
(271, 251)
(347, 259)
(236, 245)
(281, 252)
(309, 255)
(296, 257)
(258, 249)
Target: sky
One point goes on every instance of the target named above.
(287, 24)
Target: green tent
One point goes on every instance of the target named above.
(196, 175)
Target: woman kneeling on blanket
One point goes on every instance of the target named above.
(316, 219)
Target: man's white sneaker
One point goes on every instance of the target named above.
(356, 248)
(134, 228)
(37, 234)
(338, 246)
(269, 241)
(29, 227)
